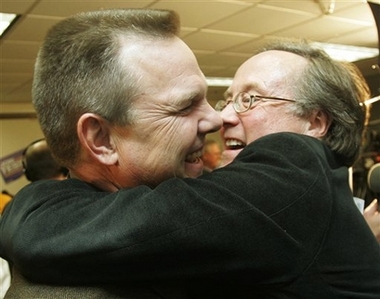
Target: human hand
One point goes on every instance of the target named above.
(372, 216)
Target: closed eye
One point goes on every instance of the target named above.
(184, 110)
(191, 106)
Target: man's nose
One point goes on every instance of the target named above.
(212, 121)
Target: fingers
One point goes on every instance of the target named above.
(372, 208)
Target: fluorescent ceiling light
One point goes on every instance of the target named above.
(335, 51)
(347, 53)
(218, 81)
(5, 20)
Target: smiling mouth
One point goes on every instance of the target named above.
(193, 157)
(234, 144)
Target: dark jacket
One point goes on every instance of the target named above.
(279, 222)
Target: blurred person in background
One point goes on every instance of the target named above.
(211, 155)
(39, 163)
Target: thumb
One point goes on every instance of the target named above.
(372, 208)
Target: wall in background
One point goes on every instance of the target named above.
(16, 134)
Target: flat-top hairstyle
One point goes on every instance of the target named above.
(79, 70)
(338, 89)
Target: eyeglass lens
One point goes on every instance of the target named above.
(242, 102)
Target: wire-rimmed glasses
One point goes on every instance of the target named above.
(243, 101)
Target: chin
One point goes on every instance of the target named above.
(228, 156)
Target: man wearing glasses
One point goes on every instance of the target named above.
(277, 222)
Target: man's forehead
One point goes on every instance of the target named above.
(273, 65)
(272, 58)
(243, 86)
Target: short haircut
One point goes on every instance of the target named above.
(79, 70)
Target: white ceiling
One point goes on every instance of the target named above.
(222, 33)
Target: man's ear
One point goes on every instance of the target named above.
(319, 124)
(94, 135)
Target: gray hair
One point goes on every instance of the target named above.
(338, 89)
(79, 70)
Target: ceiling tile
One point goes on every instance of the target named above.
(320, 29)
(71, 7)
(313, 6)
(7, 88)
(14, 78)
(305, 6)
(251, 47)
(260, 20)
(359, 12)
(223, 59)
(19, 50)
(32, 28)
(16, 66)
(16, 6)
(222, 33)
(363, 38)
(204, 40)
(198, 13)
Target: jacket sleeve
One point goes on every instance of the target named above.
(253, 219)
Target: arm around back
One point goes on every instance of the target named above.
(263, 219)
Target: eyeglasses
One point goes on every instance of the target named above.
(243, 101)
